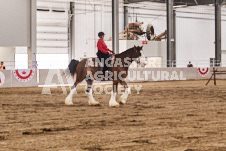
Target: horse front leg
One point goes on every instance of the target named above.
(89, 92)
(68, 100)
(124, 96)
(113, 102)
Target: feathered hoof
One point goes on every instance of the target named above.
(115, 104)
(68, 101)
(94, 103)
(122, 101)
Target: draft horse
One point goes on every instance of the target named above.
(119, 69)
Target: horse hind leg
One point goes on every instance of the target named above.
(89, 92)
(124, 96)
(68, 100)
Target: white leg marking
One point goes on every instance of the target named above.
(112, 102)
(92, 101)
(68, 100)
(124, 97)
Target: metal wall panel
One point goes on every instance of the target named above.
(194, 29)
(7, 55)
(55, 50)
(89, 19)
(52, 27)
(52, 36)
(223, 29)
(15, 23)
(195, 35)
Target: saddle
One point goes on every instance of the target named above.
(95, 62)
(112, 60)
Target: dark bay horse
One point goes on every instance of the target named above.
(118, 72)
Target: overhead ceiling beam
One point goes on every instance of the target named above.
(196, 2)
(137, 1)
(176, 2)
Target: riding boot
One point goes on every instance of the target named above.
(104, 57)
(105, 68)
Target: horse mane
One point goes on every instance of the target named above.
(124, 53)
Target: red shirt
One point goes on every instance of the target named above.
(102, 46)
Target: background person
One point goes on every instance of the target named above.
(189, 64)
(2, 67)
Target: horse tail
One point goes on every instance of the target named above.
(71, 70)
(72, 66)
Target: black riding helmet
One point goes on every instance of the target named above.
(100, 34)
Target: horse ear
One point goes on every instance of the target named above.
(141, 47)
(135, 46)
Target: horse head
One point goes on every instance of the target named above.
(140, 55)
(138, 51)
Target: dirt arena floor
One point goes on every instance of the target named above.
(165, 116)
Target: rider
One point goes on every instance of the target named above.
(103, 51)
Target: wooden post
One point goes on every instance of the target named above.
(209, 79)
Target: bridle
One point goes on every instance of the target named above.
(139, 58)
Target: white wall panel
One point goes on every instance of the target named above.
(55, 50)
(90, 19)
(52, 5)
(21, 50)
(52, 22)
(52, 36)
(21, 61)
(52, 15)
(52, 28)
(52, 18)
(7, 55)
(84, 35)
(15, 23)
(195, 30)
(195, 27)
(52, 61)
(223, 34)
(195, 35)
(223, 28)
(55, 43)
